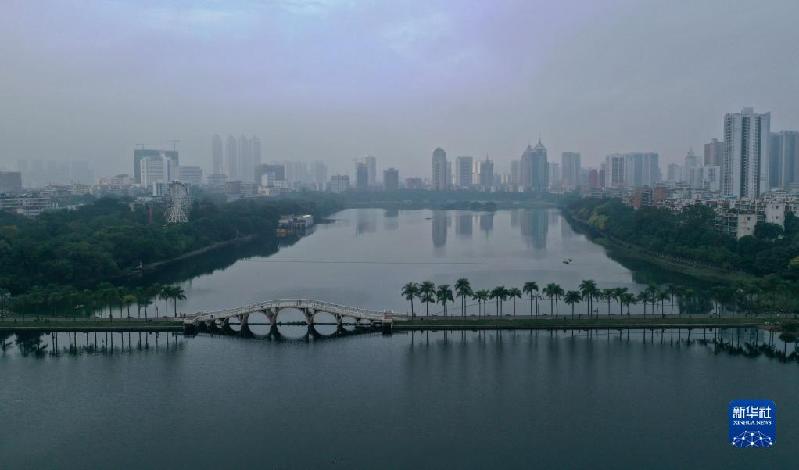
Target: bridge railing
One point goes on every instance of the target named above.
(329, 307)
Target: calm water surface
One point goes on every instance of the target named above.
(459, 399)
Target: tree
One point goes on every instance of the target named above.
(643, 297)
(626, 299)
(444, 295)
(499, 295)
(481, 296)
(617, 294)
(588, 290)
(464, 289)
(662, 296)
(427, 291)
(127, 301)
(553, 292)
(409, 291)
(607, 294)
(177, 293)
(572, 297)
(531, 288)
(514, 294)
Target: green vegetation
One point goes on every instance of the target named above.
(76, 261)
(768, 262)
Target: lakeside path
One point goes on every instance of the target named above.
(602, 322)
(90, 324)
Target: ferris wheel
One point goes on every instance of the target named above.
(177, 211)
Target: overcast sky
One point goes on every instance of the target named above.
(339, 79)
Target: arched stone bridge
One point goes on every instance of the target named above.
(272, 308)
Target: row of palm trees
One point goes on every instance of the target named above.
(106, 295)
(588, 292)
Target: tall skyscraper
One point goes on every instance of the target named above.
(391, 179)
(371, 170)
(554, 175)
(141, 154)
(10, 182)
(440, 170)
(744, 168)
(232, 156)
(714, 151)
(570, 169)
(217, 155)
(463, 169)
(361, 176)
(784, 159)
(534, 168)
(691, 160)
(255, 144)
(486, 173)
(319, 174)
(246, 167)
(515, 174)
(632, 170)
(614, 171)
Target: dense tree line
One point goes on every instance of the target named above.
(691, 235)
(70, 251)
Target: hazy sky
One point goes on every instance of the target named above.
(339, 79)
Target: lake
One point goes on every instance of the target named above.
(461, 399)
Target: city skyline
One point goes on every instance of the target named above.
(350, 111)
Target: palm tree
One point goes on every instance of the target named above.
(652, 291)
(409, 291)
(444, 295)
(498, 294)
(588, 290)
(553, 292)
(673, 290)
(617, 293)
(177, 293)
(514, 294)
(607, 294)
(464, 289)
(531, 288)
(481, 296)
(128, 300)
(627, 298)
(662, 296)
(427, 294)
(643, 297)
(572, 297)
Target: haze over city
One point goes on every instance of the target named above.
(337, 80)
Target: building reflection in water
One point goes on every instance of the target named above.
(487, 222)
(514, 218)
(440, 221)
(365, 221)
(463, 224)
(391, 219)
(535, 225)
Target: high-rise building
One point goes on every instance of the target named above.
(217, 155)
(255, 147)
(190, 175)
(371, 170)
(593, 179)
(515, 174)
(232, 156)
(153, 169)
(691, 160)
(636, 169)
(464, 168)
(246, 167)
(534, 171)
(142, 153)
(268, 174)
(714, 151)
(361, 176)
(486, 173)
(784, 159)
(10, 182)
(570, 169)
(674, 173)
(744, 168)
(391, 179)
(440, 171)
(554, 175)
(339, 183)
(319, 174)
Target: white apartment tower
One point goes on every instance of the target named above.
(744, 166)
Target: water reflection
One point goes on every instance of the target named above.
(535, 225)
(463, 225)
(744, 342)
(53, 344)
(365, 221)
(487, 222)
(440, 222)
(391, 219)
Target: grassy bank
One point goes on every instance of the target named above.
(618, 322)
(86, 324)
